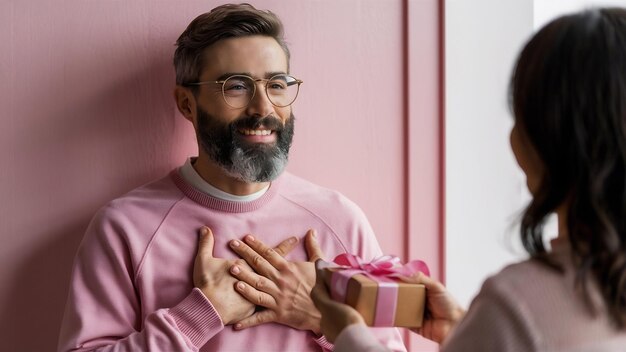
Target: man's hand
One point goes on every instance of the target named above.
(280, 286)
(211, 276)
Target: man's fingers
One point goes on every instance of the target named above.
(255, 296)
(313, 249)
(253, 279)
(262, 317)
(253, 248)
(286, 246)
(206, 242)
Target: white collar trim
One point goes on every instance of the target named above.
(194, 179)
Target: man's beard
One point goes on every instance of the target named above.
(247, 162)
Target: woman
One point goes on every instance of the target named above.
(568, 96)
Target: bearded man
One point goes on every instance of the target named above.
(171, 266)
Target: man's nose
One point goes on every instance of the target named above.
(260, 105)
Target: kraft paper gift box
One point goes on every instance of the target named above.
(381, 301)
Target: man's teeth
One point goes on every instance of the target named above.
(256, 132)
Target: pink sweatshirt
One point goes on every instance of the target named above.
(132, 288)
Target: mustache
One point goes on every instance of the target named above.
(249, 122)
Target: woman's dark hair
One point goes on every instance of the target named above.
(223, 22)
(568, 95)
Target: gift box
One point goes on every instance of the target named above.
(375, 291)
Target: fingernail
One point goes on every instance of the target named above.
(293, 240)
(234, 243)
(238, 326)
(235, 270)
(314, 234)
(204, 231)
(240, 285)
(250, 238)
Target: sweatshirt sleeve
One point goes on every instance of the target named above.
(357, 337)
(103, 311)
(324, 344)
(495, 321)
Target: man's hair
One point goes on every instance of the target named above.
(568, 95)
(226, 21)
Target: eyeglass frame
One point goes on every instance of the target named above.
(255, 80)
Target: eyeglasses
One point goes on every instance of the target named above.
(238, 90)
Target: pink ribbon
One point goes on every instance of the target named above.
(382, 270)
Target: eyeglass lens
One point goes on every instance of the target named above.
(281, 90)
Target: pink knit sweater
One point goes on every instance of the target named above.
(132, 289)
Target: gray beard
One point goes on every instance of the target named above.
(247, 166)
(242, 161)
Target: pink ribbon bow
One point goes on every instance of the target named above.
(387, 265)
(382, 270)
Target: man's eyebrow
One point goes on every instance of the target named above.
(272, 74)
(267, 74)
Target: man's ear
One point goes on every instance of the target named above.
(185, 102)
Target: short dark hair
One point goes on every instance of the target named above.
(568, 95)
(226, 21)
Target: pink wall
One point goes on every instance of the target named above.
(87, 114)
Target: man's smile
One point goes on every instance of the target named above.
(259, 135)
(259, 132)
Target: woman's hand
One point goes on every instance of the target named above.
(336, 316)
(442, 311)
